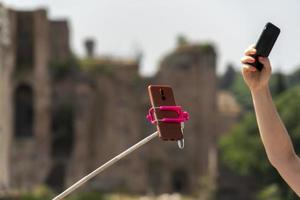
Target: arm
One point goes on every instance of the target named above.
(277, 143)
(276, 140)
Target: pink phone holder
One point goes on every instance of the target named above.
(182, 115)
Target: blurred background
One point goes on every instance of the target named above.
(73, 94)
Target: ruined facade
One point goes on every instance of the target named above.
(64, 117)
(5, 43)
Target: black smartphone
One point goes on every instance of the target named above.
(265, 43)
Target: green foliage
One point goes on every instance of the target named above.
(207, 47)
(39, 193)
(228, 78)
(270, 192)
(98, 66)
(294, 78)
(45, 194)
(59, 70)
(87, 196)
(289, 108)
(234, 82)
(241, 92)
(29, 197)
(243, 151)
(184, 44)
(278, 83)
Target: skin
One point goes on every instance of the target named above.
(275, 138)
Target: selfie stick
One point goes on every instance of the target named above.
(182, 116)
(105, 166)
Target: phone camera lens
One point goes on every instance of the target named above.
(162, 94)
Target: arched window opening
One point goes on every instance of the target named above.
(62, 130)
(56, 177)
(179, 181)
(23, 111)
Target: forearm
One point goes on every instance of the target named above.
(274, 135)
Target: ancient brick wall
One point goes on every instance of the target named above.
(5, 72)
(120, 102)
(84, 117)
(29, 158)
(59, 42)
(190, 70)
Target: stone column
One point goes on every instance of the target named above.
(4, 132)
(42, 92)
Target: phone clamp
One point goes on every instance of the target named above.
(182, 117)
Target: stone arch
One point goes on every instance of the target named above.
(62, 128)
(62, 131)
(23, 111)
(179, 180)
(56, 176)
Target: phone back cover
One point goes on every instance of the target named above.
(167, 131)
(267, 40)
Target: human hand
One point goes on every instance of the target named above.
(254, 78)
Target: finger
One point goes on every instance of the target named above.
(249, 68)
(247, 59)
(250, 50)
(252, 46)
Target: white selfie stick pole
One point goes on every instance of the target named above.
(103, 167)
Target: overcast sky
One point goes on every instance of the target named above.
(121, 27)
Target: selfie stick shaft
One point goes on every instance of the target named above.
(106, 165)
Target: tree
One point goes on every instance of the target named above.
(294, 78)
(278, 83)
(233, 82)
(241, 92)
(243, 151)
(228, 78)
